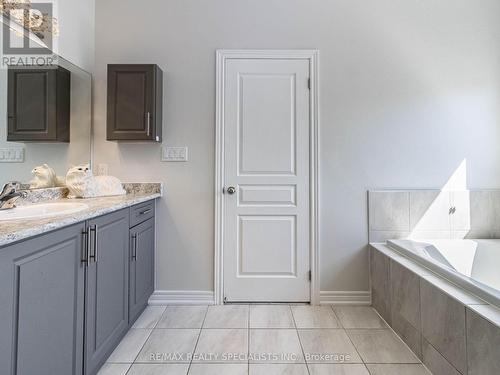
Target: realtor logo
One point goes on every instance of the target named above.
(25, 20)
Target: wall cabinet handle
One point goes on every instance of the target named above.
(148, 123)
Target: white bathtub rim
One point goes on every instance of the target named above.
(480, 306)
(483, 292)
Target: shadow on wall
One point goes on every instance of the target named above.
(452, 212)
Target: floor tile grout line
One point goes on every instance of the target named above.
(295, 327)
(158, 321)
(354, 346)
(140, 350)
(389, 327)
(197, 340)
(337, 317)
(300, 342)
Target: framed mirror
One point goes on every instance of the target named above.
(45, 109)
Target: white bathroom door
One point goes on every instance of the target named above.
(266, 177)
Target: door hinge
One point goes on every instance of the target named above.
(225, 299)
(310, 275)
(309, 83)
(223, 190)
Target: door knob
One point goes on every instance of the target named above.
(231, 190)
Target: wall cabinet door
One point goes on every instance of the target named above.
(142, 245)
(134, 102)
(106, 308)
(42, 304)
(38, 104)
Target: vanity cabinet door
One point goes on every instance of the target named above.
(106, 308)
(134, 102)
(38, 104)
(42, 304)
(142, 246)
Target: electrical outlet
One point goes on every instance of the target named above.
(102, 169)
(174, 154)
(12, 155)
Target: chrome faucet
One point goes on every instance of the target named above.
(10, 194)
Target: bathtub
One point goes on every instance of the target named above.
(474, 265)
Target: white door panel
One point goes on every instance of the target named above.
(266, 142)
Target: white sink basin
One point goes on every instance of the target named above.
(42, 210)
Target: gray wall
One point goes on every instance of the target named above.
(76, 38)
(408, 90)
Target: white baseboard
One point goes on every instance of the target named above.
(200, 297)
(345, 298)
(181, 297)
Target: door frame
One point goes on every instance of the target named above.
(222, 56)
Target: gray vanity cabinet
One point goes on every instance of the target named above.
(142, 245)
(42, 304)
(106, 309)
(69, 296)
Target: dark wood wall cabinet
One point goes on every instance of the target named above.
(135, 98)
(69, 296)
(38, 104)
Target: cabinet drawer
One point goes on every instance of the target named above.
(141, 213)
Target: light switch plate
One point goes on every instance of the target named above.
(174, 153)
(12, 155)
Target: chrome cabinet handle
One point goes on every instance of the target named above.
(86, 247)
(145, 212)
(231, 190)
(93, 229)
(148, 123)
(134, 248)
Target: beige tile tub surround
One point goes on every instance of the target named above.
(405, 293)
(425, 214)
(443, 325)
(435, 362)
(483, 345)
(457, 333)
(380, 286)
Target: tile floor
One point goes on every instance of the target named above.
(261, 340)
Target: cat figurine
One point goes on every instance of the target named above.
(81, 183)
(45, 177)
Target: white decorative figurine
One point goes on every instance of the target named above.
(83, 184)
(45, 177)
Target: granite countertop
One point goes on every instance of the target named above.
(15, 230)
